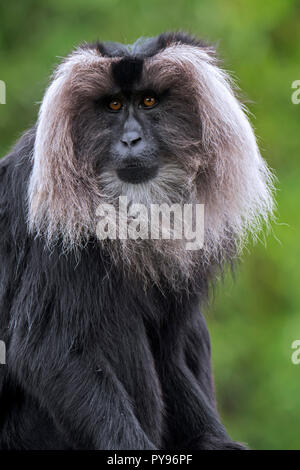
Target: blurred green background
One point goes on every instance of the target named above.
(253, 319)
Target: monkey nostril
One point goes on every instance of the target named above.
(129, 140)
(135, 141)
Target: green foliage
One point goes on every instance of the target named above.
(254, 320)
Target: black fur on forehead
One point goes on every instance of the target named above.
(146, 47)
(127, 72)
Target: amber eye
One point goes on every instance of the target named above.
(115, 105)
(149, 101)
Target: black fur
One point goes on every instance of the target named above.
(127, 72)
(148, 47)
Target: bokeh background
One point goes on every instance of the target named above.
(255, 318)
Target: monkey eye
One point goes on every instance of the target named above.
(115, 105)
(149, 101)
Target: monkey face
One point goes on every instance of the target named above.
(135, 151)
(136, 129)
(157, 122)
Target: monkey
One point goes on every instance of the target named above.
(107, 347)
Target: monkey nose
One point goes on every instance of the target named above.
(130, 139)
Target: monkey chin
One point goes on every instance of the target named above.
(137, 174)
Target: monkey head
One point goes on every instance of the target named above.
(157, 121)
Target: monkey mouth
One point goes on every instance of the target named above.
(136, 174)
